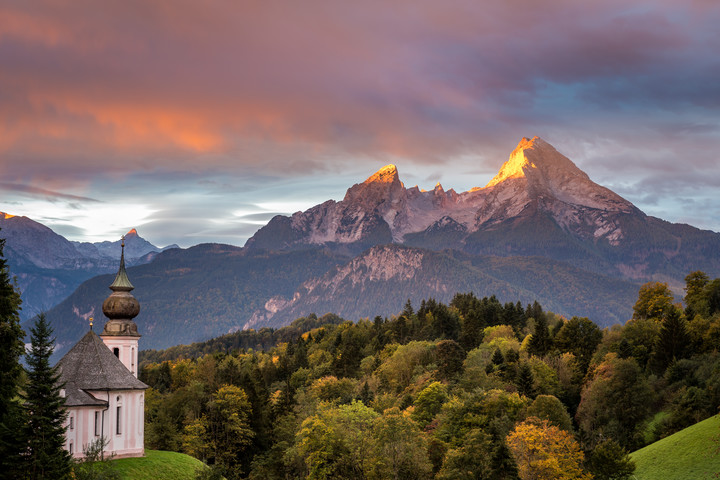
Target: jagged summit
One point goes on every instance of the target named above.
(385, 183)
(535, 157)
(387, 174)
(536, 178)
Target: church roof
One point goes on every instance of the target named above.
(90, 365)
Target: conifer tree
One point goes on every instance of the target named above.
(526, 381)
(540, 342)
(45, 412)
(673, 341)
(11, 348)
(502, 463)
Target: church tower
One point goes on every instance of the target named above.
(121, 307)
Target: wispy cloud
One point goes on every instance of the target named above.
(44, 193)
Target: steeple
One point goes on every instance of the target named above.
(122, 282)
(121, 307)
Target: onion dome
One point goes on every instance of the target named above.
(121, 306)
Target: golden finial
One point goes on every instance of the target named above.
(91, 322)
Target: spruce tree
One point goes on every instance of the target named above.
(540, 342)
(11, 348)
(45, 429)
(672, 343)
(526, 381)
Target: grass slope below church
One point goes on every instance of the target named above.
(690, 454)
(158, 465)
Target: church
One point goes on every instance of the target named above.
(103, 396)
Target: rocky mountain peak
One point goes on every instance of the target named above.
(538, 161)
(387, 174)
(536, 178)
(383, 184)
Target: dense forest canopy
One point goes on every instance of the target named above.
(472, 389)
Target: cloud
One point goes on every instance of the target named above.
(127, 85)
(216, 103)
(47, 194)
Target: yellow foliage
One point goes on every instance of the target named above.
(545, 452)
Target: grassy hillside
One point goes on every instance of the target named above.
(157, 465)
(690, 454)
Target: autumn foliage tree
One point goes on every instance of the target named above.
(545, 452)
(655, 300)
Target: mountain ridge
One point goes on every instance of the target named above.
(537, 191)
(543, 231)
(48, 267)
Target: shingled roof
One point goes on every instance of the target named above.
(90, 365)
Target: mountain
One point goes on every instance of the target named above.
(136, 248)
(48, 267)
(193, 294)
(380, 281)
(539, 204)
(540, 230)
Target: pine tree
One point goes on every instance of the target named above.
(673, 341)
(503, 463)
(540, 342)
(525, 381)
(11, 348)
(45, 429)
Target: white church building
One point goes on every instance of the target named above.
(103, 395)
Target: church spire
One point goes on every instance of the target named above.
(121, 306)
(122, 282)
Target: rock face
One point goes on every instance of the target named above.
(383, 278)
(538, 178)
(379, 210)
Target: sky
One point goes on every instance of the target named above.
(199, 121)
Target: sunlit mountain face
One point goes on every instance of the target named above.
(535, 175)
(539, 203)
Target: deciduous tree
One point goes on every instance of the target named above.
(615, 402)
(548, 407)
(655, 300)
(428, 403)
(400, 448)
(545, 452)
(337, 441)
(609, 461)
(579, 336)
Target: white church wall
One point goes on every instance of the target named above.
(127, 350)
(80, 430)
(129, 439)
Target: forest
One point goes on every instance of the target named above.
(472, 389)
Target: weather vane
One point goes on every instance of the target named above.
(91, 322)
